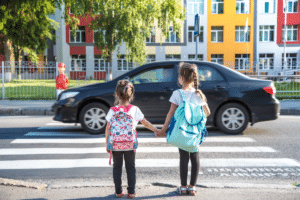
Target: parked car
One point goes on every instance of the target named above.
(235, 100)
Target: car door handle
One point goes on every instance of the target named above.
(219, 87)
(168, 89)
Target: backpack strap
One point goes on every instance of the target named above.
(182, 94)
(124, 109)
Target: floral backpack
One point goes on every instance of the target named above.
(122, 134)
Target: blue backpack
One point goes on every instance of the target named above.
(187, 129)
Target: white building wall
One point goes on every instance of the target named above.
(190, 48)
(62, 48)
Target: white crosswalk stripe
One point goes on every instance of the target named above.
(98, 162)
(228, 145)
(40, 151)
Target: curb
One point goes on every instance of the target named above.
(19, 183)
(290, 112)
(25, 111)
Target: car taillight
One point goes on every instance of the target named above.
(270, 89)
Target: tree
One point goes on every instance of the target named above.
(126, 21)
(25, 26)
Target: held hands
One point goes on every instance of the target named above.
(160, 133)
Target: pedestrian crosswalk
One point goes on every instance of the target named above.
(28, 152)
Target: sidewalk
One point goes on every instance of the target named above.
(287, 107)
(148, 192)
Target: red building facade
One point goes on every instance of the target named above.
(293, 19)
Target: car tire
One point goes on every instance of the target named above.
(92, 118)
(232, 118)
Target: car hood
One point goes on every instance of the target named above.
(95, 86)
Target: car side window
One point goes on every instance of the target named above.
(209, 74)
(157, 75)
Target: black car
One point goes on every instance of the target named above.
(233, 98)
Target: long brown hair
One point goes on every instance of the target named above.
(124, 91)
(189, 73)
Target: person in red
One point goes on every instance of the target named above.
(62, 81)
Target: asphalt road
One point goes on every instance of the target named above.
(35, 148)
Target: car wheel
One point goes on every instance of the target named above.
(92, 118)
(232, 118)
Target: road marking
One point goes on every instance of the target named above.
(66, 134)
(37, 151)
(289, 116)
(140, 140)
(60, 128)
(61, 124)
(147, 163)
(69, 134)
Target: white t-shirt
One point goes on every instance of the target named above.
(134, 112)
(190, 96)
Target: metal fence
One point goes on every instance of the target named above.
(32, 80)
(36, 81)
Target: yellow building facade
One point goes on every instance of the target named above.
(229, 20)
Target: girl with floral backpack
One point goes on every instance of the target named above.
(121, 136)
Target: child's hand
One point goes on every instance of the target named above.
(161, 133)
(107, 150)
(157, 131)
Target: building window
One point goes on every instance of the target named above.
(80, 35)
(173, 38)
(266, 33)
(242, 6)
(291, 60)
(173, 57)
(292, 6)
(217, 34)
(78, 63)
(292, 33)
(100, 63)
(123, 64)
(193, 56)
(268, 6)
(150, 58)
(242, 34)
(217, 58)
(217, 6)
(192, 38)
(266, 61)
(151, 39)
(242, 61)
(195, 7)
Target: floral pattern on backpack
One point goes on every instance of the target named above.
(122, 135)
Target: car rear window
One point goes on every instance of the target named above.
(207, 73)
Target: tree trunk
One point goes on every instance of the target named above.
(9, 57)
(109, 76)
(17, 52)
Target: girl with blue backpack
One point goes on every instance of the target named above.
(121, 136)
(187, 130)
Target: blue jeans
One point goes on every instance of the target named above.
(129, 157)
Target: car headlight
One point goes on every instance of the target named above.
(68, 95)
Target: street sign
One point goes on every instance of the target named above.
(197, 25)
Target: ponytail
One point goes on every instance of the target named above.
(196, 84)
